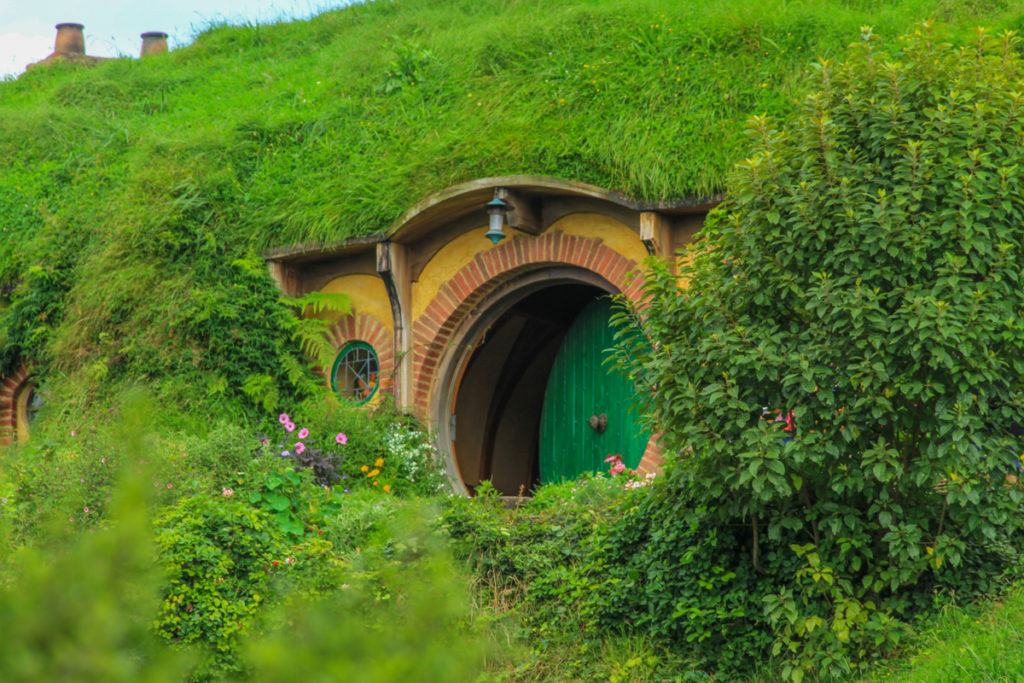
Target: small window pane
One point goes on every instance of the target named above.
(356, 372)
(33, 404)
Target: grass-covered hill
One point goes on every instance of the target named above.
(136, 196)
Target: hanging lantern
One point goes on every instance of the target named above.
(496, 209)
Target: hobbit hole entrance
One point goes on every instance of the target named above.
(471, 335)
(20, 402)
(529, 377)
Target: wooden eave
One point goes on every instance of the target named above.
(459, 201)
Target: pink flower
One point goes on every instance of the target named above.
(611, 458)
(227, 493)
(303, 433)
(290, 426)
(618, 467)
(300, 447)
(283, 418)
(103, 460)
(86, 509)
(289, 560)
(266, 442)
(168, 486)
(341, 438)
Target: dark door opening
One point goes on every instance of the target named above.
(499, 400)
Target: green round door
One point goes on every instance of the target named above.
(574, 437)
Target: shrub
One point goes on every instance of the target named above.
(219, 556)
(352, 447)
(403, 616)
(79, 606)
(842, 375)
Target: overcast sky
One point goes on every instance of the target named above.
(112, 27)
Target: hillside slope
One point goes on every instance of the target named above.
(135, 197)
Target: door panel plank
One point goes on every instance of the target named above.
(581, 385)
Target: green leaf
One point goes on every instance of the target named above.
(278, 502)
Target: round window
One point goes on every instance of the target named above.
(356, 373)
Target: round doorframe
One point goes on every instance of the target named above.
(453, 361)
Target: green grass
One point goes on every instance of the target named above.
(137, 180)
(977, 643)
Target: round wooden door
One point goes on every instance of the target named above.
(586, 414)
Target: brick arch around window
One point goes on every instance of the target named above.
(368, 329)
(435, 329)
(10, 387)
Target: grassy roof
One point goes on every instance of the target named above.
(113, 178)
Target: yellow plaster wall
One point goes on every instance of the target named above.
(684, 258)
(455, 255)
(21, 412)
(369, 296)
(449, 260)
(616, 235)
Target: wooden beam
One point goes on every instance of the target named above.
(393, 267)
(287, 279)
(656, 234)
(524, 213)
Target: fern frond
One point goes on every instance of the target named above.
(312, 338)
(317, 302)
(262, 389)
(293, 368)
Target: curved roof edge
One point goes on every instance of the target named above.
(454, 202)
(459, 200)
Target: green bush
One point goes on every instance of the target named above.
(219, 556)
(564, 575)
(68, 468)
(352, 447)
(842, 376)
(222, 595)
(404, 615)
(79, 606)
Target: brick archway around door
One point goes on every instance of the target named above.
(365, 328)
(9, 389)
(435, 329)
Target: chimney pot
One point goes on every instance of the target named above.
(70, 39)
(153, 43)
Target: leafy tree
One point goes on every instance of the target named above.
(841, 375)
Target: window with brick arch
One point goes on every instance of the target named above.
(356, 372)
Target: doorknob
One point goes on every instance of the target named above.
(599, 423)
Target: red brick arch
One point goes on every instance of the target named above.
(434, 330)
(9, 389)
(365, 328)
(653, 457)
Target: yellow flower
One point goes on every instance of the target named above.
(364, 468)
(373, 473)
(375, 483)
(379, 463)
(387, 487)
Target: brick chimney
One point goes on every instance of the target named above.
(70, 39)
(153, 43)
